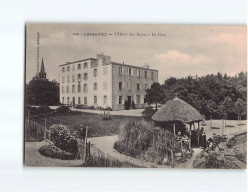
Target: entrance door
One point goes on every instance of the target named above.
(129, 100)
(73, 102)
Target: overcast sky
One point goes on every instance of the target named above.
(185, 50)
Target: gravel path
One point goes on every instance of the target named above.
(34, 159)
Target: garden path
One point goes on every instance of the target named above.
(106, 145)
(189, 163)
(34, 159)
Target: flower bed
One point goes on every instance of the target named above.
(61, 137)
(54, 152)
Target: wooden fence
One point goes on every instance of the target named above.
(34, 131)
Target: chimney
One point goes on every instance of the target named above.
(146, 65)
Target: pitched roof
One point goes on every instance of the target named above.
(177, 110)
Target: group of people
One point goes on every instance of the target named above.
(201, 139)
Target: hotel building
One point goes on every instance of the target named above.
(102, 82)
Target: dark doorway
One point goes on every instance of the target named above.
(73, 102)
(129, 100)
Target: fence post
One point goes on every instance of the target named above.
(85, 149)
(45, 129)
(88, 153)
(28, 115)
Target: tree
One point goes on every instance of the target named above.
(240, 107)
(212, 108)
(222, 114)
(154, 94)
(228, 106)
(42, 92)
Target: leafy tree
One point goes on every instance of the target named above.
(154, 94)
(210, 89)
(42, 92)
(240, 108)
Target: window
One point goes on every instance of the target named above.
(79, 88)
(73, 88)
(138, 99)
(129, 71)
(85, 100)
(120, 71)
(105, 99)
(95, 99)
(129, 86)
(79, 66)
(79, 101)
(105, 70)
(79, 77)
(152, 75)
(67, 89)
(85, 76)
(95, 72)
(68, 100)
(85, 88)
(105, 85)
(138, 86)
(63, 100)
(138, 73)
(95, 86)
(120, 99)
(68, 68)
(120, 85)
(73, 78)
(62, 89)
(63, 69)
(85, 65)
(63, 79)
(68, 78)
(145, 74)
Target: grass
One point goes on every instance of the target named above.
(97, 127)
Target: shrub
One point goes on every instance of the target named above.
(108, 109)
(44, 109)
(63, 109)
(148, 112)
(61, 137)
(54, 152)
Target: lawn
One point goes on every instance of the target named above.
(97, 127)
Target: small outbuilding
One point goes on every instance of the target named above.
(177, 110)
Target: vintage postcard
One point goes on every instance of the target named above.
(136, 96)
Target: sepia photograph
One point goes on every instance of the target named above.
(135, 96)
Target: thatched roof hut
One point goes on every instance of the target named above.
(177, 110)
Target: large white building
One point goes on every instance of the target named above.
(102, 82)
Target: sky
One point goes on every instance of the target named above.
(183, 50)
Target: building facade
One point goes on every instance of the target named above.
(102, 82)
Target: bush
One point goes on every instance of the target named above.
(44, 109)
(63, 109)
(148, 112)
(54, 152)
(60, 136)
(108, 109)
